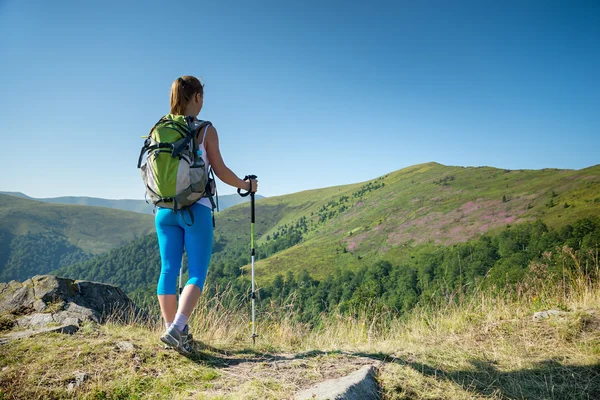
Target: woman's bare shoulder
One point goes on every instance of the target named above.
(212, 138)
(211, 130)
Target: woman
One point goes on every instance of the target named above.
(187, 96)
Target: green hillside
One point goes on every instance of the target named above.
(404, 219)
(427, 203)
(38, 237)
(133, 266)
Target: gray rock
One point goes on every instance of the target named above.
(85, 312)
(39, 305)
(126, 346)
(35, 320)
(65, 319)
(78, 380)
(68, 329)
(17, 298)
(46, 299)
(547, 314)
(359, 385)
(104, 299)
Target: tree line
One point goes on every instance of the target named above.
(424, 273)
(429, 273)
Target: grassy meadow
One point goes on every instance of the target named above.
(484, 346)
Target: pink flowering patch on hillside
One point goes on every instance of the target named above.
(469, 207)
(354, 241)
(426, 219)
(459, 225)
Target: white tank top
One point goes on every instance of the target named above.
(204, 201)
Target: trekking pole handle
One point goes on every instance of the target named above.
(251, 178)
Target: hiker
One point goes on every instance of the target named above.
(175, 231)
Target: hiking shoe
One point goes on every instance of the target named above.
(178, 340)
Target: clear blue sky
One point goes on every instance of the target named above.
(304, 94)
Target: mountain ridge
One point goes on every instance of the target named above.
(133, 205)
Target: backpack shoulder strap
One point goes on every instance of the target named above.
(204, 136)
(205, 125)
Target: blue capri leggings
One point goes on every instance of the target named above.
(173, 235)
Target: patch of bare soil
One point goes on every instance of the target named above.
(293, 371)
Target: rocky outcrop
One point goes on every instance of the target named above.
(540, 315)
(49, 300)
(68, 329)
(359, 385)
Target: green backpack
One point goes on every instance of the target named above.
(174, 172)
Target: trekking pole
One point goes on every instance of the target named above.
(180, 277)
(253, 297)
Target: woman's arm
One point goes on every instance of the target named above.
(218, 165)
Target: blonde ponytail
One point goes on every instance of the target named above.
(182, 91)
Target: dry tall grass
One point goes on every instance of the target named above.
(481, 345)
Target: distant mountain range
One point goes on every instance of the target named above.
(138, 206)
